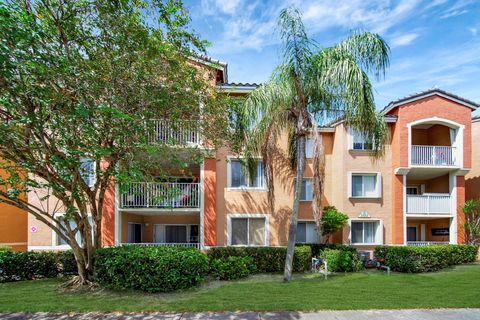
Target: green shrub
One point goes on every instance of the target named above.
(341, 260)
(150, 269)
(3, 249)
(425, 258)
(232, 268)
(266, 259)
(318, 248)
(16, 266)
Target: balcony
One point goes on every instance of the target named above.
(429, 204)
(164, 133)
(163, 195)
(164, 244)
(433, 155)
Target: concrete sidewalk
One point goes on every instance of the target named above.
(435, 314)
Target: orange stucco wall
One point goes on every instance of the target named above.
(13, 227)
(429, 225)
(108, 221)
(430, 107)
(210, 212)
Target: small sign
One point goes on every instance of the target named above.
(364, 214)
(440, 232)
(33, 229)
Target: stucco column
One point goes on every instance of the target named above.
(460, 202)
(209, 202)
(108, 218)
(398, 215)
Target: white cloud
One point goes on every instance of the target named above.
(458, 8)
(473, 31)
(403, 40)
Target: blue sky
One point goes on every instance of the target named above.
(433, 43)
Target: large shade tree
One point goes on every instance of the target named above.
(312, 84)
(80, 82)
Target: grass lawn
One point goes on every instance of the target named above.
(456, 287)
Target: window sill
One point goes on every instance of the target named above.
(366, 244)
(365, 198)
(246, 189)
(305, 200)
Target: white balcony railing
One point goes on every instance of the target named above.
(424, 243)
(155, 244)
(184, 135)
(161, 195)
(433, 155)
(429, 204)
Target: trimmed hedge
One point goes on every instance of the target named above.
(318, 248)
(150, 269)
(16, 266)
(266, 259)
(232, 268)
(342, 260)
(3, 249)
(426, 258)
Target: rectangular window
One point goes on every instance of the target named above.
(364, 232)
(134, 233)
(240, 179)
(309, 148)
(248, 231)
(360, 142)
(307, 190)
(412, 190)
(306, 232)
(87, 171)
(365, 185)
(78, 237)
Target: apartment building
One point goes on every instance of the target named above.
(410, 196)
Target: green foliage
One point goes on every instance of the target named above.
(266, 259)
(426, 258)
(4, 248)
(341, 260)
(332, 220)
(232, 268)
(150, 269)
(17, 266)
(85, 80)
(471, 210)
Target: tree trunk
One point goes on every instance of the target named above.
(84, 260)
(292, 232)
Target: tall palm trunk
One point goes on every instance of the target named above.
(292, 232)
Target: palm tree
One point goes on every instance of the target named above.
(310, 85)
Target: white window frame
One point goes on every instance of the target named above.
(351, 137)
(378, 232)
(378, 184)
(244, 188)
(307, 142)
(306, 232)
(89, 177)
(55, 236)
(245, 216)
(304, 180)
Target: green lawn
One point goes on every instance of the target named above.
(456, 287)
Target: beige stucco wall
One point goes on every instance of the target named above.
(472, 179)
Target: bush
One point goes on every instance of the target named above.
(266, 259)
(426, 258)
(16, 266)
(341, 260)
(318, 248)
(232, 268)
(150, 269)
(3, 249)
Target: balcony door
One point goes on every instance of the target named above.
(411, 233)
